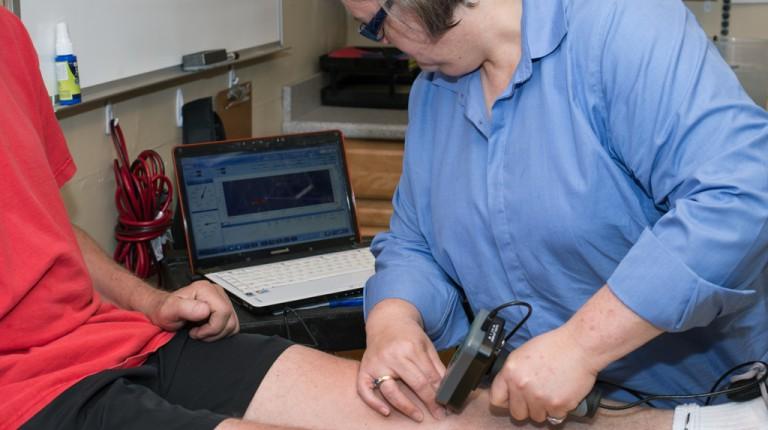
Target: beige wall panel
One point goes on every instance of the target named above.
(747, 20)
(267, 118)
(87, 204)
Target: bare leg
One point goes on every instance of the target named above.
(309, 389)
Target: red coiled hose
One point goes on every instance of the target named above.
(143, 198)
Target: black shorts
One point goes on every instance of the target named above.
(186, 384)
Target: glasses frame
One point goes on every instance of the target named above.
(374, 29)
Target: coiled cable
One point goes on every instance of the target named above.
(143, 195)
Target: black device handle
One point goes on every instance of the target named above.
(588, 407)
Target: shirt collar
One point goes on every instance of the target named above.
(452, 83)
(544, 27)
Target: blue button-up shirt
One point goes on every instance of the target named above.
(624, 151)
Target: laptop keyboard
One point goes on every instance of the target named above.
(260, 279)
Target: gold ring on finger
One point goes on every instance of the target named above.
(380, 380)
(555, 420)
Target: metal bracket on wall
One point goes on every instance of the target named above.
(179, 107)
(109, 115)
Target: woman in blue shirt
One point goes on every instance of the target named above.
(595, 158)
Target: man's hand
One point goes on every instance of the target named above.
(398, 347)
(201, 303)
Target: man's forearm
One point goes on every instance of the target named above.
(607, 329)
(112, 281)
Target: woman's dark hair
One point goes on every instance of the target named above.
(437, 16)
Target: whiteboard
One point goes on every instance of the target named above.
(116, 39)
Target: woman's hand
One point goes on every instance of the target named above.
(398, 347)
(547, 376)
(202, 303)
(550, 374)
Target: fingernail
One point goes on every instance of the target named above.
(384, 411)
(418, 416)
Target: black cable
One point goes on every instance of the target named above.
(640, 395)
(315, 343)
(496, 310)
(285, 324)
(731, 370)
(651, 397)
(644, 397)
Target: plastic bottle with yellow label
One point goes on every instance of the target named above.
(67, 73)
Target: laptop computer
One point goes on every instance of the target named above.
(272, 220)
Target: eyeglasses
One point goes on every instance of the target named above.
(374, 29)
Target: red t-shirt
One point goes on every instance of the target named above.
(54, 330)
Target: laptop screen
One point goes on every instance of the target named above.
(264, 196)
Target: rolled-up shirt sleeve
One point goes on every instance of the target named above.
(659, 286)
(698, 146)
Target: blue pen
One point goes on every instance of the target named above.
(346, 302)
(333, 303)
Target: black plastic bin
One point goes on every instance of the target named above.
(368, 77)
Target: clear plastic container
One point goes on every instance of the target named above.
(749, 60)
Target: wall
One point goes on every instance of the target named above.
(747, 20)
(311, 28)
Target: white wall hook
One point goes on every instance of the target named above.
(108, 116)
(179, 106)
(232, 78)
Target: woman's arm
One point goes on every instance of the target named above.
(551, 373)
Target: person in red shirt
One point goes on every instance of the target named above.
(84, 344)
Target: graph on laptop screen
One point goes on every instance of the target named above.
(247, 201)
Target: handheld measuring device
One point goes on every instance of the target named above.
(479, 357)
